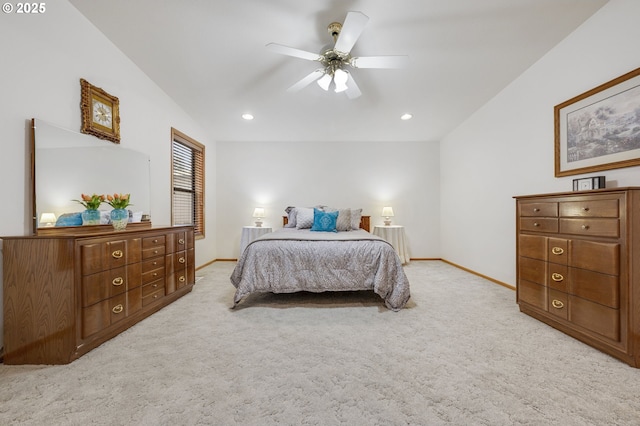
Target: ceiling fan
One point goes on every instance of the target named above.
(335, 60)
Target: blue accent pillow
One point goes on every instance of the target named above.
(324, 221)
(70, 219)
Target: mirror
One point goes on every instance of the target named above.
(67, 164)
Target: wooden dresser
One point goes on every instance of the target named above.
(66, 294)
(578, 266)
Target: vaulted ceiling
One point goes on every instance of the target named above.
(210, 57)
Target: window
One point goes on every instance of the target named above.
(187, 182)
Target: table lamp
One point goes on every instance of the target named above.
(48, 219)
(387, 212)
(258, 213)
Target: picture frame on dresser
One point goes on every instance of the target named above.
(599, 129)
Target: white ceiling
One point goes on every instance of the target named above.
(210, 57)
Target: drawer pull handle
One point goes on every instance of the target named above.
(557, 251)
(155, 241)
(155, 296)
(536, 224)
(117, 281)
(155, 285)
(155, 274)
(585, 227)
(585, 209)
(155, 252)
(557, 277)
(155, 263)
(117, 309)
(181, 241)
(182, 279)
(536, 209)
(117, 254)
(182, 260)
(557, 304)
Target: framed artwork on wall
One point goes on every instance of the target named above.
(100, 113)
(599, 129)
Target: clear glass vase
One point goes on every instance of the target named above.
(91, 217)
(119, 218)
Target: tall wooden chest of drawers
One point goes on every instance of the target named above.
(578, 266)
(66, 294)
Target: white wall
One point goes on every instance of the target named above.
(370, 175)
(507, 147)
(43, 58)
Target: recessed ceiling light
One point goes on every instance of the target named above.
(247, 116)
(406, 116)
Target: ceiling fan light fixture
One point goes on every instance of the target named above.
(247, 116)
(406, 116)
(325, 81)
(340, 78)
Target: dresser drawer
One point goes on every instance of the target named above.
(600, 288)
(559, 304)
(590, 208)
(558, 277)
(152, 287)
(177, 241)
(532, 294)
(153, 252)
(151, 264)
(593, 256)
(179, 260)
(595, 317)
(558, 251)
(103, 285)
(153, 275)
(533, 270)
(532, 246)
(595, 227)
(549, 209)
(101, 315)
(152, 242)
(539, 224)
(153, 297)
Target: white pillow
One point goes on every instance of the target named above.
(304, 218)
(344, 218)
(356, 215)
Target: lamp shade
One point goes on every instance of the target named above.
(387, 211)
(325, 81)
(258, 212)
(48, 219)
(340, 78)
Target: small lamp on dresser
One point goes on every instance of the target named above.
(258, 213)
(48, 219)
(387, 212)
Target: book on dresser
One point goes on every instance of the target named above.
(578, 266)
(65, 294)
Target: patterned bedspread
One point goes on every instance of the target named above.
(291, 260)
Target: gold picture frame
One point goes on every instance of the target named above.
(100, 112)
(599, 129)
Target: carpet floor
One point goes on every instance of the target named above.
(460, 353)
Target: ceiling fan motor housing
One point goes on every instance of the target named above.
(334, 30)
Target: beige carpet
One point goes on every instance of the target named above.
(460, 354)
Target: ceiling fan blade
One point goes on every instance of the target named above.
(310, 78)
(353, 26)
(380, 62)
(290, 51)
(353, 91)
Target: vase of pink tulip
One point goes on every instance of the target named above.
(119, 214)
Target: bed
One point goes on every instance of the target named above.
(297, 258)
